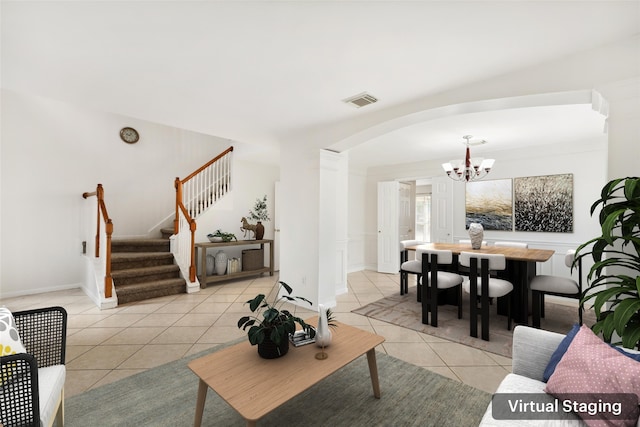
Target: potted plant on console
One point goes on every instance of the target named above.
(270, 325)
(614, 277)
(259, 213)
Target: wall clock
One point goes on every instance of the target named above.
(129, 135)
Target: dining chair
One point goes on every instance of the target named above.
(481, 284)
(435, 279)
(555, 285)
(508, 272)
(408, 266)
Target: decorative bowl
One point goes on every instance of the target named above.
(214, 239)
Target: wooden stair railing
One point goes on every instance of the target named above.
(108, 226)
(194, 195)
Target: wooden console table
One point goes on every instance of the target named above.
(201, 248)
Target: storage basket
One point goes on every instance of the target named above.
(252, 259)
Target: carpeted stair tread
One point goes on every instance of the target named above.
(128, 260)
(140, 245)
(145, 268)
(167, 232)
(150, 285)
(138, 275)
(146, 290)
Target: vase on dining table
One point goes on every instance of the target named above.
(476, 234)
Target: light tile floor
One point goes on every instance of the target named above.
(105, 346)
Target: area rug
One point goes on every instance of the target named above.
(166, 396)
(404, 310)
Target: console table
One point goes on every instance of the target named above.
(201, 248)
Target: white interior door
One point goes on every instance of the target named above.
(276, 228)
(441, 210)
(388, 229)
(405, 212)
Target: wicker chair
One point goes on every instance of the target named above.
(32, 393)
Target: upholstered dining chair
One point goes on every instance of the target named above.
(32, 376)
(555, 285)
(508, 272)
(407, 266)
(434, 279)
(481, 284)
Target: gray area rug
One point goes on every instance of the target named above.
(404, 310)
(166, 396)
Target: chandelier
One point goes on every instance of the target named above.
(469, 169)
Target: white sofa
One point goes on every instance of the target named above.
(532, 350)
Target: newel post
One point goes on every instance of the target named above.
(178, 185)
(99, 197)
(108, 280)
(192, 267)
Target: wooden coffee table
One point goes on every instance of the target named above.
(254, 386)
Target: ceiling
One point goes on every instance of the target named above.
(257, 72)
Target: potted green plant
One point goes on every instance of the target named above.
(614, 278)
(270, 325)
(221, 236)
(259, 213)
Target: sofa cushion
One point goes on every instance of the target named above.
(564, 345)
(10, 342)
(50, 391)
(560, 351)
(593, 369)
(521, 385)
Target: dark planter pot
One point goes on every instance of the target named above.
(259, 231)
(270, 350)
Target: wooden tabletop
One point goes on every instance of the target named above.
(254, 386)
(514, 254)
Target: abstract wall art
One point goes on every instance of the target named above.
(490, 203)
(544, 203)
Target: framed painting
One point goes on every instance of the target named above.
(544, 203)
(490, 203)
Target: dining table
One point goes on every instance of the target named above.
(521, 268)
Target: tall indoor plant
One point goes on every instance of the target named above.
(614, 278)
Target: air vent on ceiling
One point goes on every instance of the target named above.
(361, 100)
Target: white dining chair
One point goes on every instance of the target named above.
(435, 279)
(481, 284)
(408, 266)
(555, 285)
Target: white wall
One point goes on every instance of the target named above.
(300, 239)
(52, 152)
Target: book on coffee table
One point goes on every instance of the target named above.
(300, 338)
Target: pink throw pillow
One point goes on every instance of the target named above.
(592, 372)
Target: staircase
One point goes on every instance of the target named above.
(144, 269)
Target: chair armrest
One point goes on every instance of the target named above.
(19, 395)
(43, 333)
(532, 349)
